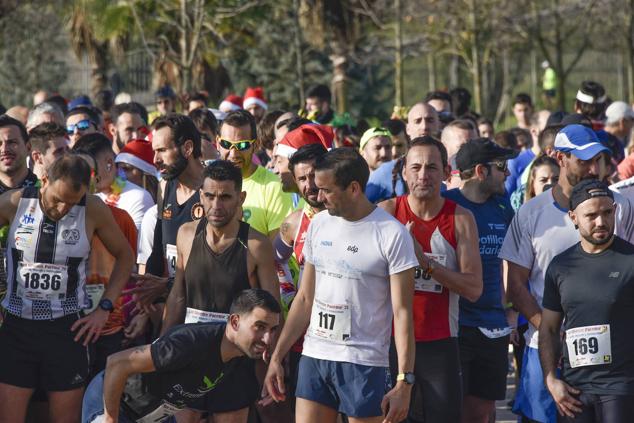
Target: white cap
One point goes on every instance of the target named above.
(618, 110)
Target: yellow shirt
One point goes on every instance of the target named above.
(266, 205)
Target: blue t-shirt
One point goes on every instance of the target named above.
(493, 219)
(379, 185)
(516, 168)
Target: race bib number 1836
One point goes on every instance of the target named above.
(42, 281)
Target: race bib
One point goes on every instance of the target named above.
(589, 345)
(162, 413)
(170, 255)
(94, 296)
(198, 316)
(330, 321)
(429, 285)
(42, 281)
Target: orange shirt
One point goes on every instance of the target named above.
(100, 267)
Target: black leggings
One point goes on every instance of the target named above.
(604, 409)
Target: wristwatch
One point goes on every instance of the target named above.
(106, 305)
(406, 377)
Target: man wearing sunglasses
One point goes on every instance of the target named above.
(81, 121)
(484, 330)
(266, 205)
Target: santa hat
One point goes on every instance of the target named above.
(310, 133)
(231, 102)
(138, 153)
(254, 95)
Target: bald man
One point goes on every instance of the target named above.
(422, 120)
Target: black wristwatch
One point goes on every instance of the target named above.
(106, 305)
(408, 378)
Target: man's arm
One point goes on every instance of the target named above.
(8, 206)
(296, 324)
(402, 292)
(119, 367)
(549, 352)
(265, 265)
(110, 234)
(516, 283)
(175, 306)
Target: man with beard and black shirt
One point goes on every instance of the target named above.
(185, 368)
(177, 153)
(590, 288)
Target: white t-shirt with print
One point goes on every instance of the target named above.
(134, 200)
(351, 319)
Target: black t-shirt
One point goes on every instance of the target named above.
(188, 369)
(596, 289)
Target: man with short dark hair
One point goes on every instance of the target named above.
(48, 143)
(49, 239)
(523, 110)
(113, 190)
(400, 142)
(207, 126)
(80, 121)
(128, 125)
(590, 289)
(358, 273)
(188, 367)
(318, 100)
(266, 204)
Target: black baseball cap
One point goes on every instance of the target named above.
(588, 189)
(481, 151)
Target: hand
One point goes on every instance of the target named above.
(563, 395)
(274, 381)
(515, 337)
(90, 326)
(395, 404)
(147, 290)
(137, 326)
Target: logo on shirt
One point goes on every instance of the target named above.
(614, 274)
(353, 248)
(71, 236)
(167, 212)
(208, 384)
(27, 219)
(326, 243)
(497, 226)
(246, 215)
(197, 211)
(48, 228)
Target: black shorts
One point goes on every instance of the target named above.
(41, 354)
(237, 391)
(484, 364)
(437, 393)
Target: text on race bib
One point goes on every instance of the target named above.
(198, 316)
(170, 255)
(95, 292)
(589, 345)
(422, 284)
(161, 414)
(330, 321)
(42, 281)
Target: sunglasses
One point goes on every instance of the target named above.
(238, 145)
(82, 125)
(502, 166)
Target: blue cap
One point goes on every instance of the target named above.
(580, 141)
(82, 100)
(165, 92)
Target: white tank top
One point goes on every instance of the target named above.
(46, 261)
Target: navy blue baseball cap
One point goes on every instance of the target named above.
(580, 141)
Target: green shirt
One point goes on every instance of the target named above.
(266, 205)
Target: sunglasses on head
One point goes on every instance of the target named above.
(238, 145)
(82, 125)
(501, 165)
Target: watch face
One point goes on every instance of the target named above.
(409, 378)
(106, 305)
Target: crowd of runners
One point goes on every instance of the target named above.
(243, 264)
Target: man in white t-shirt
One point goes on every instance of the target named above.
(540, 230)
(358, 274)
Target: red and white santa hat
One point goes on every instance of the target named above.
(310, 133)
(254, 95)
(138, 153)
(231, 102)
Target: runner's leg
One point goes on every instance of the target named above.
(13, 403)
(307, 411)
(65, 406)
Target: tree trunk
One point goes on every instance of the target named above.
(431, 67)
(630, 53)
(99, 69)
(339, 67)
(475, 58)
(559, 61)
(398, 56)
(299, 62)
